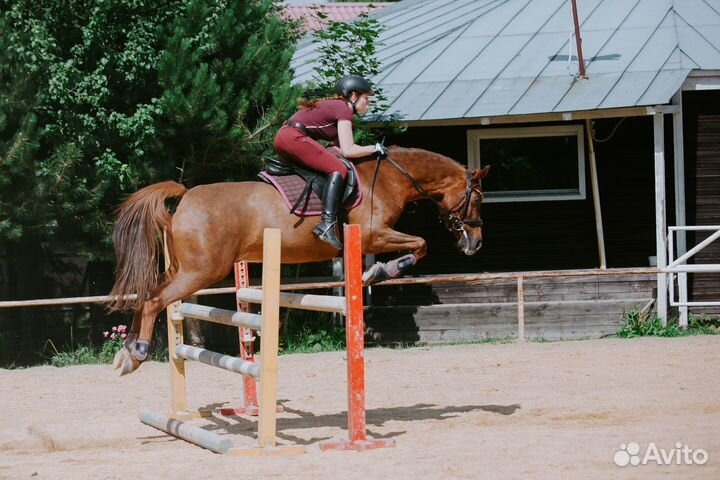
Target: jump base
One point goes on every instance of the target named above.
(190, 414)
(251, 411)
(276, 451)
(210, 440)
(357, 445)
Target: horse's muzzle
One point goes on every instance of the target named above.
(468, 245)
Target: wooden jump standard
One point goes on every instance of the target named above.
(265, 371)
(350, 305)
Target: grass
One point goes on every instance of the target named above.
(318, 335)
(636, 323)
(91, 355)
(310, 337)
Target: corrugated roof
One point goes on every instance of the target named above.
(307, 13)
(453, 59)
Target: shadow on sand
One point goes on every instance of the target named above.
(247, 426)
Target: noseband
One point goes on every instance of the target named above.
(456, 216)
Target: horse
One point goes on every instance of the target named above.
(215, 225)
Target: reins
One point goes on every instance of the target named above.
(451, 221)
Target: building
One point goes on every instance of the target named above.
(589, 171)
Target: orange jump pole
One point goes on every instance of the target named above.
(247, 349)
(355, 338)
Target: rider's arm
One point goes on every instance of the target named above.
(347, 143)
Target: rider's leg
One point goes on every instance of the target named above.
(326, 230)
(294, 146)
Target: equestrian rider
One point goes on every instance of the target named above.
(330, 120)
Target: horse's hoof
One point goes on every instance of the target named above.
(374, 274)
(118, 359)
(125, 362)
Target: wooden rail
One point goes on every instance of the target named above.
(470, 279)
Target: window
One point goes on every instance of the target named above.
(530, 164)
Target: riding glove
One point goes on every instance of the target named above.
(381, 150)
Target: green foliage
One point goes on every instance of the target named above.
(85, 355)
(704, 325)
(311, 335)
(636, 323)
(91, 355)
(105, 353)
(100, 98)
(347, 48)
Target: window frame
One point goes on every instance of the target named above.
(475, 136)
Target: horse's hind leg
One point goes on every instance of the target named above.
(137, 346)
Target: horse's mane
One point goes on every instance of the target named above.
(420, 155)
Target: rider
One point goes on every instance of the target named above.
(331, 120)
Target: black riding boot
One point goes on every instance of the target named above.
(325, 230)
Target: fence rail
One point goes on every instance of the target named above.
(680, 267)
(470, 279)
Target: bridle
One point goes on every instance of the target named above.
(456, 216)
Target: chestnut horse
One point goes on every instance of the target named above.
(216, 225)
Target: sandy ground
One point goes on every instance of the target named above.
(538, 410)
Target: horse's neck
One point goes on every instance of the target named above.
(434, 173)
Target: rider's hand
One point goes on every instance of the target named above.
(381, 150)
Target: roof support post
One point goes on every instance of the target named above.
(660, 216)
(680, 218)
(596, 196)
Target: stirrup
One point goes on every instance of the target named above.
(327, 234)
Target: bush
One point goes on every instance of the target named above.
(311, 334)
(704, 325)
(636, 323)
(639, 324)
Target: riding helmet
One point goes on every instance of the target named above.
(352, 83)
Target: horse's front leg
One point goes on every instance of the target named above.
(389, 240)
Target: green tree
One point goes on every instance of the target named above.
(99, 98)
(347, 48)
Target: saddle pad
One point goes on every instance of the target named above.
(292, 186)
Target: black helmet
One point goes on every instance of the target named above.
(352, 83)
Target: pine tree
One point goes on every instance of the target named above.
(98, 99)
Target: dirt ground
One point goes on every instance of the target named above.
(537, 410)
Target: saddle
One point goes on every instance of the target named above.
(302, 189)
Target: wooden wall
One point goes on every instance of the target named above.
(558, 308)
(525, 236)
(701, 112)
(556, 234)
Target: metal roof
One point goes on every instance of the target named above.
(454, 59)
(307, 13)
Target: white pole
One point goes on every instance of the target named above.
(679, 164)
(596, 197)
(660, 214)
(680, 218)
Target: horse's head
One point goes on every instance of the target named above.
(418, 174)
(461, 211)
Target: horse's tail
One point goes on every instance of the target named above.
(137, 236)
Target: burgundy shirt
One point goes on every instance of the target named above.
(322, 120)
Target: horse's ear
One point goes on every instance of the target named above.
(479, 174)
